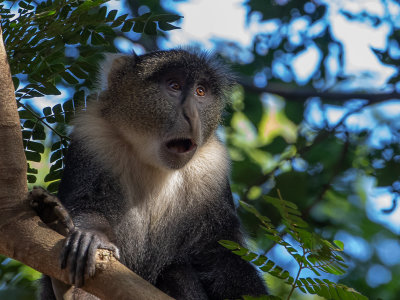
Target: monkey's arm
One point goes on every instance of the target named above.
(181, 282)
(225, 275)
(50, 209)
(82, 191)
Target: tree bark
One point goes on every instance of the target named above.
(23, 236)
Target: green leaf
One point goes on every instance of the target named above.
(138, 27)
(69, 78)
(142, 18)
(250, 256)
(84, 36)
(38, 132)
(339, 244)
(25, 114)
(111, 15)
(166, 26)
(56, 166)
(57, 108)
(229, 244)
(26, 134)
(241, 251)
(294, 110)
(275, 238)
(32, 156)
(97, 39)
(79, 99)
(35, 146)
(101, 15)
(31, 178)
(56, 146)
(35, 94)
(32, 170)
(29, 124)
(74, 69)
(268, 266)
(150, 28)
(47, 111)
(53, 187)
(260, 260)
(56, 155)
(166, 18)
(387, 175)
(56, 175)
(68, 106)
(25, 5)
(57, 68)
(15, 82)
(119, 20)
(50, 89)
(127, 26)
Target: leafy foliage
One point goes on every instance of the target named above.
(282, 134)
(17, 280)
(57, 43)
(310, 252)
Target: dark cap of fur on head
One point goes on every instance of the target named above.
(195, 63)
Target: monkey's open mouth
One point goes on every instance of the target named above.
(181, 145)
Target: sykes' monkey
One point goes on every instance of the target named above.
(147, 178)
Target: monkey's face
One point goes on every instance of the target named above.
(172, 102)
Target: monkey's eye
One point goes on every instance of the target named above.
(200, 91)
(174, 85)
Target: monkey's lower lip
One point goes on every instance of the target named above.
(181, 146)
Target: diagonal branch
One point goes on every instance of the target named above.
(297, 94)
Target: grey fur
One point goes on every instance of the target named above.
(164, 211)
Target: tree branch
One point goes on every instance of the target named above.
(297, 94)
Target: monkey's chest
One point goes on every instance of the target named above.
(151, 235)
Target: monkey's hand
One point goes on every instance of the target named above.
(79, 253)
(50, 210)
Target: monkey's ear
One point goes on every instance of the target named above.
(112, 66)
(117, 67)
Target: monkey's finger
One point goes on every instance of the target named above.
(111, 247)
(64, 217)
(91, 258)
(66, 249)
(82, 255)
(37, 192)
(73, 255)
(115, 250)
(35, 196)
